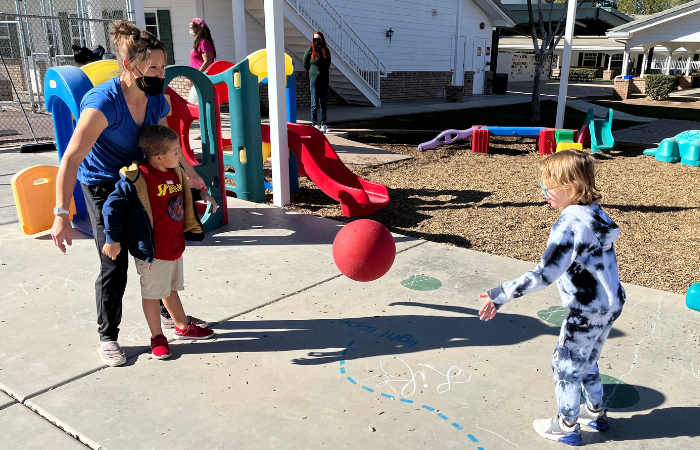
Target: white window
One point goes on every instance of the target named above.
(5, 42)
(590, 59)
(152, 23)
(616, 61)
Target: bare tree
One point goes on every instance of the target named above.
(545, 48)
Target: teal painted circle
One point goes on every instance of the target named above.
(554, 315)
(422, 283)
(617, 394)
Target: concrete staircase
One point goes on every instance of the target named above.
(355, 71)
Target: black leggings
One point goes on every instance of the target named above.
(111, 280)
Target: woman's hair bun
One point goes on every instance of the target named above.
(125, 28)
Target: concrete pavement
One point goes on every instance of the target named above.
(306, 358)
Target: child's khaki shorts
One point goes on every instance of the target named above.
(162, 278)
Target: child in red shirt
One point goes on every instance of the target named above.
(154, 200)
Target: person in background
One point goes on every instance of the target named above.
(203, 51)
(317, 62)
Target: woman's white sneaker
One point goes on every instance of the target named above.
(111, 353)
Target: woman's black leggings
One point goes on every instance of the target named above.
(111, 280)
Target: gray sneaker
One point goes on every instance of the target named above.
(555, 430)
(167, 322)
(111, 353)
(595, 420)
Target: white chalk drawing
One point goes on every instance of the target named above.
(406, 385)
(494, 433)
(694, 369)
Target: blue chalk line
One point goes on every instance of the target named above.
(405, 400)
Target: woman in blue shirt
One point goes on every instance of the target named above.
(105, 140)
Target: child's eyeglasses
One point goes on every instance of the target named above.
(545, 191)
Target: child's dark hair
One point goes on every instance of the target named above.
(156, 140)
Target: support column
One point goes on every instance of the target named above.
(668, 64)
(274, 38)
(650, 59)
(644, 65)
(240, 38)
(609, 61)
(558, 61)
(457, 75)
(139, 17)
(625, 62)
(687, 65)
(495, 37)
(568, 41)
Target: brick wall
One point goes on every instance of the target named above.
(624, 89)
(411, 85)
(686, 82)
(15, 73)
(468, 84)
(621, 89)
(488, 81)
(182, 86)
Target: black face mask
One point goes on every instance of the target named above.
(317, 42)
(152, 86)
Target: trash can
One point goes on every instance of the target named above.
(500, 83)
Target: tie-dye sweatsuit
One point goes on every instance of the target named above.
(580, 256)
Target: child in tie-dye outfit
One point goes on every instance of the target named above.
(580, 257)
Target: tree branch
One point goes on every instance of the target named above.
(533, 30)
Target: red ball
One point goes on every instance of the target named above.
(364, 250)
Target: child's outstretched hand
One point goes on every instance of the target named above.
(112, 250)
(206, 196)
(488, 311)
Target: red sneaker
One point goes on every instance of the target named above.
(159, 347)
(193, 332)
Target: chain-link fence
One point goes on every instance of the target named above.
(36, 35)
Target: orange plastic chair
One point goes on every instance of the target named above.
(34, 189)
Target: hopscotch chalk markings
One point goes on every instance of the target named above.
(403, 400)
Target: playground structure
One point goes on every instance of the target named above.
(480, 136)
(319, 162)
(34, 189)
(549, 139)
(692, 298)
(601, 138)
(236, 84)
(683, 148)
(65, 88)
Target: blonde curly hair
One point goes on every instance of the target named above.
(574, 171)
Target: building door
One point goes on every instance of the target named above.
(479, 65)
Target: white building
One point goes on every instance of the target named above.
(368, 66)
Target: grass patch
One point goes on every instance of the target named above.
(517, 115)
(658, 112)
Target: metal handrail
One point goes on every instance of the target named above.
(322, 16)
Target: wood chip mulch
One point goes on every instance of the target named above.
(492, 203)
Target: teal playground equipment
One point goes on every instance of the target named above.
(683, 148)
(692, 299)
(238, 85)
(65, 88)
(599, 131)
(181, 116)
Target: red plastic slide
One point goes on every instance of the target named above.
(319, 162)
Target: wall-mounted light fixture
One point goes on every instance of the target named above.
(389, 34)
(435, 13)
(482, 25)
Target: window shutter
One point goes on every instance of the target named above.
(580, 59)
(14, 41)
(165, 33)
(598, 60)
